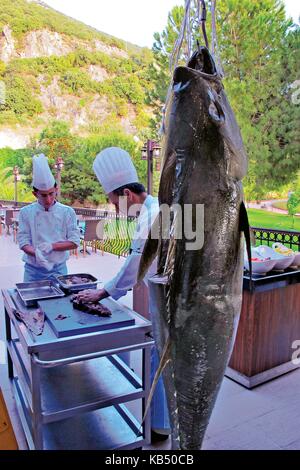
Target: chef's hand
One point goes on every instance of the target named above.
(29, 250)
(45, 248)
(42, 261)
(91, 295)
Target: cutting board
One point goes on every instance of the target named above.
(77, 322)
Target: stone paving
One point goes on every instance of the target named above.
(266, 417)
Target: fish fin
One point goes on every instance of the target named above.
(245, 227)
(150, 249)
(167, 178)
(165, 358)
(237, 156)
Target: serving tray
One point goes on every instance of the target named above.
(69, 287)
(31, 292)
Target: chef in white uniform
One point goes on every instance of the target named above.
(47, 229)
(118, 177)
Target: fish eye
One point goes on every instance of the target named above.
(181, 79)
(179, 87)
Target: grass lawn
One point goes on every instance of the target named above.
(283, 205)
(266, 219)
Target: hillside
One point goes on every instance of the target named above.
(55, 68)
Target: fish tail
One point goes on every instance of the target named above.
(165, 358)
(245, 227)
(150, 250)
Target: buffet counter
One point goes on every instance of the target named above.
(269, 324)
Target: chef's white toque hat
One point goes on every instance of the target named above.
(114, 168)
(42, 176)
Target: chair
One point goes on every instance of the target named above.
(2, 220)
(9, 215)
(94, 230)
(2, 224)
(15, 224)
(80, 225)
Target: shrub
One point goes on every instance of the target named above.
(76, 80)
(19, 98)
(23, 16)
(10, 157)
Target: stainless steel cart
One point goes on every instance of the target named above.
(72, 392)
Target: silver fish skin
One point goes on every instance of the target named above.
(197, 294)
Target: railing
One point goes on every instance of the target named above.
(119, 231)
(95, 213)
(14, 203)
(266, 236)
(118, 236)
(118, 239)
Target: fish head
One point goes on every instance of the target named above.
(199, 112)
(193, 108)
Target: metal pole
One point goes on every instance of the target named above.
(149, 165)
(58, 179)
(16, 192)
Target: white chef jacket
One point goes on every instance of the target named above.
(127, 276)
(36, 226)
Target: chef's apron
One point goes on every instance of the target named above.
(37, 273)
(48, 229)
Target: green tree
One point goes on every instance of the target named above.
(159, 70)
(258, 52)
(292, 205)
(7, 187)
(10, 157)
(285, 110)
(19, 99)
(79, 183)
(76, 80)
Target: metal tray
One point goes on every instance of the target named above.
(61, 279)
(31, 292)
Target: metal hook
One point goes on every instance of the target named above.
(203, 20)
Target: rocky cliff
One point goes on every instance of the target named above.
(53, 67)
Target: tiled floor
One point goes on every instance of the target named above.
(266, 417)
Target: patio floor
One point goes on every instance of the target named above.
(266, 417)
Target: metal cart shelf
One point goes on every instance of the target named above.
(71, 392)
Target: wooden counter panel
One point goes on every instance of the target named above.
(269, 323)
